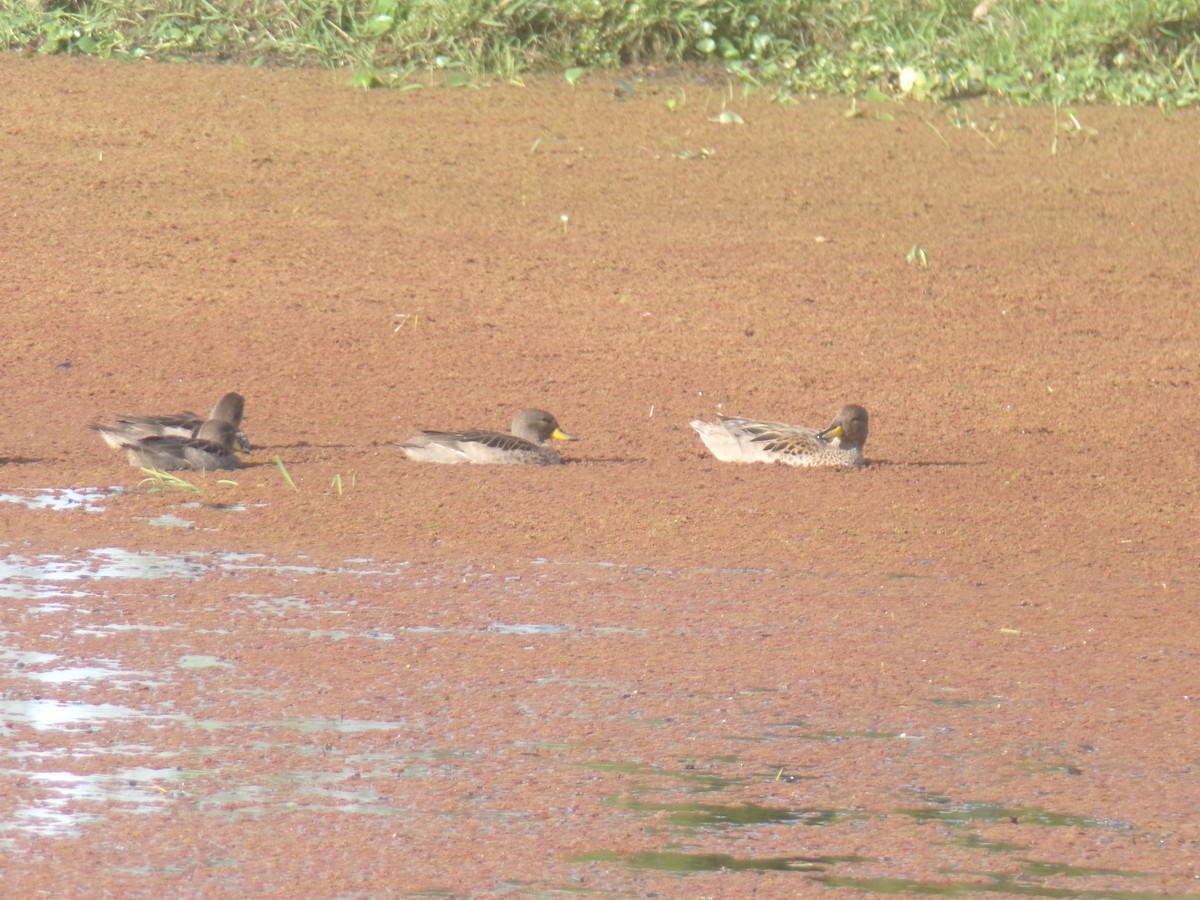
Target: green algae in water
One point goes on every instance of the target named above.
(964, 814)
(1035, 869)
(962, 703)
(975, 842)
(700, 815)
(998, 884)
(667, 861)
(836, 737)
(697, 781)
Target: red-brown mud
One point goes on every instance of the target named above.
(977, 652)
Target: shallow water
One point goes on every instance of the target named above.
(139, 689)
(61, 499)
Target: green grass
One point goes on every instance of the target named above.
(157, 481)
(340, 485)
(1057, 51)
(286, 475)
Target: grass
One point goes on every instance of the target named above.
(286, 475)
(158, 481)
(1069, 51)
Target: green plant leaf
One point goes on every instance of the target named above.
(366, 78)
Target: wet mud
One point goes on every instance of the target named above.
(969, 667)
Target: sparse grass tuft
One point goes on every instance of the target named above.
(340, 487)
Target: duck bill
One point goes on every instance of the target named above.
(559, 435)
(833, 431)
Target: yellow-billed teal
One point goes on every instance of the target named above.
(525, 446)
(211, 448)
(130, 429)
(745, 440)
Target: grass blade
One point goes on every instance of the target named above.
(286, 477)
(162, 481)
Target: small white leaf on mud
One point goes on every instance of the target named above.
(728, 117)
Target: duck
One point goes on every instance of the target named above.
(531, 428)
(747, 440)
(130, 429)
(211, 448)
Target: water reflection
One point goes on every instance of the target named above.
(61, 499)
